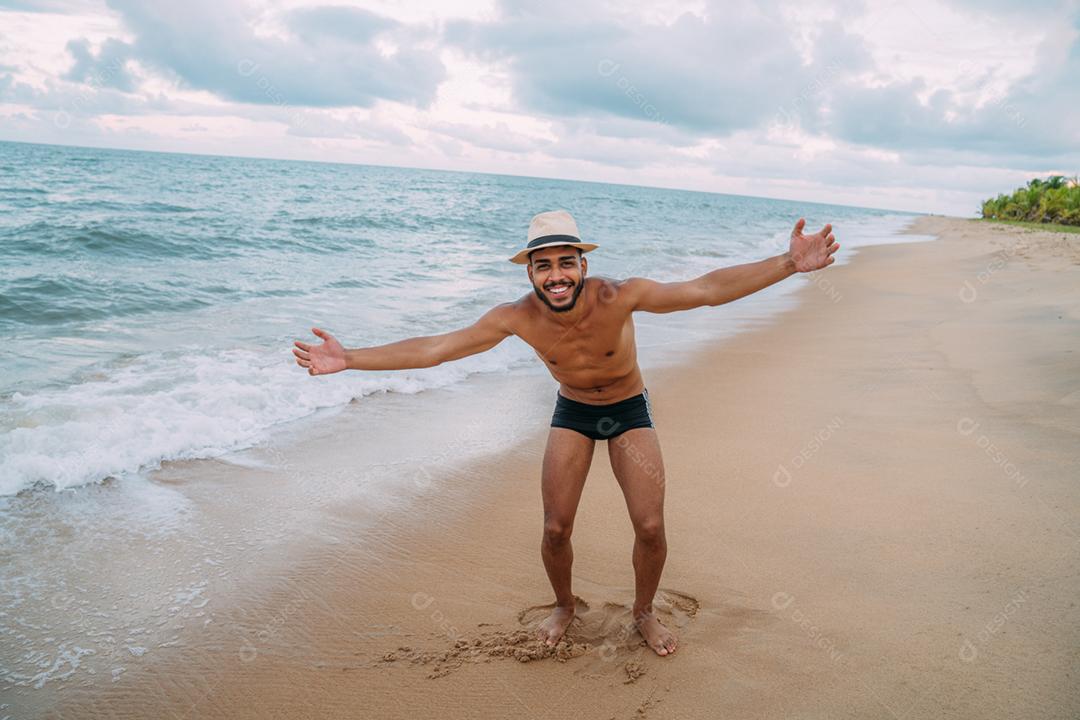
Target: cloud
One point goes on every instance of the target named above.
(327, 58)
(728, 70)
(354, 25)
(1012, 6)
(60, 103)
(316, 124)
(731, 69)
(498, 136)
(50, 6)
(108, 68)
(1037, 117)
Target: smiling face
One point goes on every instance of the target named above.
(558, 276)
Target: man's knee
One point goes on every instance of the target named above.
(650, 530)
(557, 532)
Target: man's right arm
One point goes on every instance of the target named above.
(430, 350)
(418, 352)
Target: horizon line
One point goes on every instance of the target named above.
(469, 172)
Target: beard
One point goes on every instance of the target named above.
(569, 306)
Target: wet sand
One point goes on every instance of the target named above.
(872, 511)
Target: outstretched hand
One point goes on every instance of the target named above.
(320, 359)
(812, 252)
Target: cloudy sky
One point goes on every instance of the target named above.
(925, 105)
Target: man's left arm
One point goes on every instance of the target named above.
(806, 253)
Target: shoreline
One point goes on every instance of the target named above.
(834, 546)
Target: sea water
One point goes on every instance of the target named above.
(149, 301)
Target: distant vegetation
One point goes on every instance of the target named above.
(1054, 200)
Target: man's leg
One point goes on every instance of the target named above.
(566, 464)
(639, 468)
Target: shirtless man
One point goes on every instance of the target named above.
(583, 329)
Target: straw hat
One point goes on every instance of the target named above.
(556, 227)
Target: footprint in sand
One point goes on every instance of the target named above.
(610, 626)
(607, 630)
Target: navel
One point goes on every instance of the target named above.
(609, 353)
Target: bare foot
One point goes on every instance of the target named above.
(658, 637)
(554, 625)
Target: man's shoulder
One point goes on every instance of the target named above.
(617, 289)
(509, 314)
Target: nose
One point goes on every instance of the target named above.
(557, 275)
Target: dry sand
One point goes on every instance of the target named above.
(872, 512)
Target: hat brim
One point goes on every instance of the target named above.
(522, 256)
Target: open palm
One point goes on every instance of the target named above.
(329, 357)
(812, 252)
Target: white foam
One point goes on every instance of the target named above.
(183, 405)
(859, 232)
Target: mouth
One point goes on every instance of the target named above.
(559, 289)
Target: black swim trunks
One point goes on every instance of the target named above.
(603, 422)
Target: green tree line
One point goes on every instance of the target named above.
(1054, 200)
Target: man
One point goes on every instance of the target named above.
(583, 330)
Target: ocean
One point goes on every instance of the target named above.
(149, 301)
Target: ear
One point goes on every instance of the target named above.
(584, 265)
(528, 268)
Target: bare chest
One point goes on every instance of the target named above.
(595, 344)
